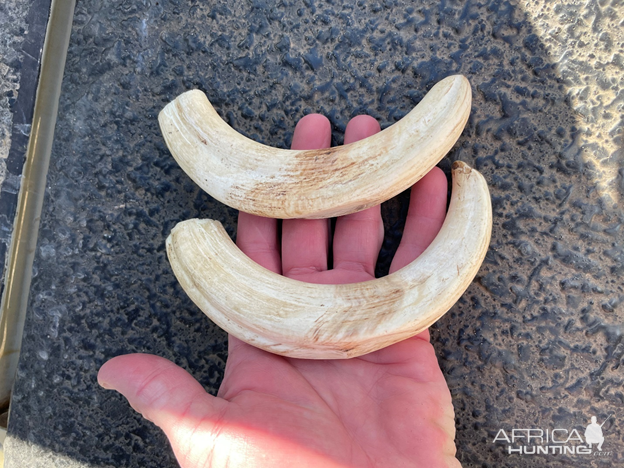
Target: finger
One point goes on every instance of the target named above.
(166, 395)
(425, 216)
(305, 241)
(257, 237)
(358, 236)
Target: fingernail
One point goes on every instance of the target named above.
(105, 385)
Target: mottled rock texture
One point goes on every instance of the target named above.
(536, 341)
(22, 31)
(13, 27)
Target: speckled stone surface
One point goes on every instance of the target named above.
(535, 342)
(22, 32)
(13, 27)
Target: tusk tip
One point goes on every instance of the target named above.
(461, 166)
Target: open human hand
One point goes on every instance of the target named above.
(389, 408)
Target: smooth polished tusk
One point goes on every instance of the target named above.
(321, 321)
(280, 183)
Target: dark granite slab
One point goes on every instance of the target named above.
(536, 341)
(24, 26)
(22, 31)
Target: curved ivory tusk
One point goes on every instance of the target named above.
(320, 321)
(280, 183)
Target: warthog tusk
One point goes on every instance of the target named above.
(321, 321)
(280, 183)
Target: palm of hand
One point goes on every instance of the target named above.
(388, 408)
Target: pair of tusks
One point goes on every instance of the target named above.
(320, 321)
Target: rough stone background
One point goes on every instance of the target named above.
(13, 27)
(22, 31)
(535, 342)
(13, 30)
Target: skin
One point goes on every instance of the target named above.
(390, 408)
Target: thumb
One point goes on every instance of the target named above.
(171, 398)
